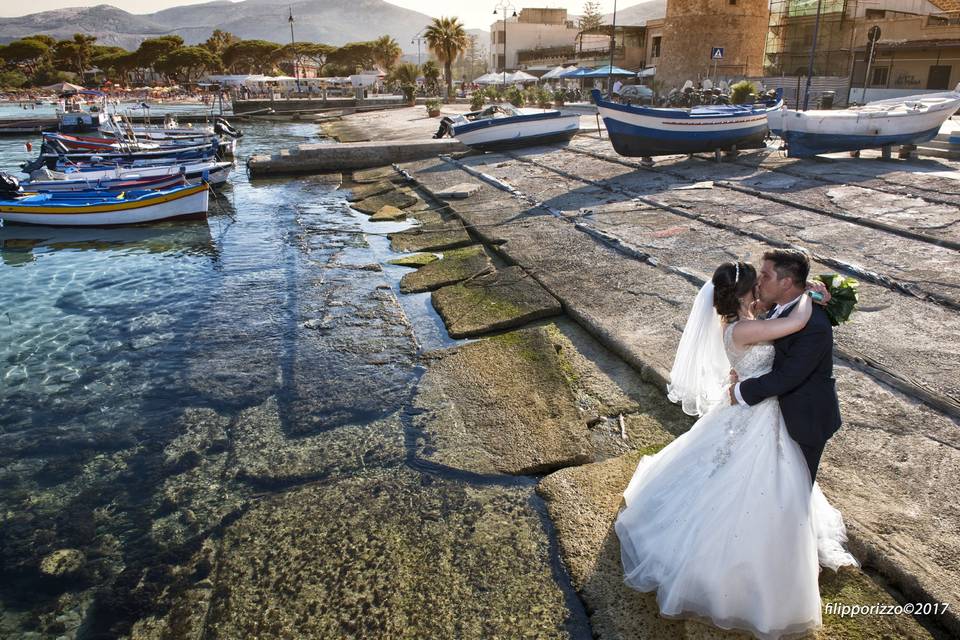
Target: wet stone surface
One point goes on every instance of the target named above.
(456, 265)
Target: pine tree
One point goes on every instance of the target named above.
(591, 18)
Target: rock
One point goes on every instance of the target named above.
(202, 431)
(396, 198)
(501, 300)
(369, 190)
(375, 175)
(500, 405)
(438, 231)
(416, 260)
(390, 553)
(388, 213)
(63, 562)
(458, 192)
(457, 265)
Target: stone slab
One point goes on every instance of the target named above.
(369, 190)
(458, 191)
(500, 405)
(438, 231)
(375, 174)
(396, 198)
(456, 265)
(504, 299)
(416, 260)
(324, 158)
(388, 213)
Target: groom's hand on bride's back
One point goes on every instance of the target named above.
(816, 285)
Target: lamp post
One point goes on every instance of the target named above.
(418, 39)
(293, 48)
(504, 7)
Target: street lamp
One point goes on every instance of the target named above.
(418, 39)
(293, 50)
(504, 7)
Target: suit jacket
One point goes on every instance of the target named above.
(802, 380)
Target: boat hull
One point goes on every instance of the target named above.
(216, 173)
(810, 133)
(642, 131)
(78, 122)
(181, 204)
(517, 132)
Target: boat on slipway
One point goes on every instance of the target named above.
(507, 127)
(69, 209)
(883, 123)
(638, 131)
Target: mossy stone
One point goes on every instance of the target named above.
(388, 213)
(417, 260)
(395, 198)
(365, 191)
(375, 175)
(457, 265)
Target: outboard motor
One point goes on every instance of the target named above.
(221, 127)
(9, 186)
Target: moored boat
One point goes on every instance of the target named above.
(897, 121)
(209, 171)
(638, 131)
(508, 127)
(106, 209)
(105, 184)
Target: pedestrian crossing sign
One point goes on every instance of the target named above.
(716, 53)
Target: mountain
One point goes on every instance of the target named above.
(333, 22)
(638, 14)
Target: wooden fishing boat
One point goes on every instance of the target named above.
(53, 154)
(107, 209)
(897, 121)
(209, 171)
(638, 131)
(105, 184)
(508, 127)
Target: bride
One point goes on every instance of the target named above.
(722, 523)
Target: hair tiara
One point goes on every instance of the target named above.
(736, 277)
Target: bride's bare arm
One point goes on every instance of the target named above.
(747, 332)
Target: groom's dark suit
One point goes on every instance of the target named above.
(802, 380)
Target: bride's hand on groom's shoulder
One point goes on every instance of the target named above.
(821, 288)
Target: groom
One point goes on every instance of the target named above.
(801, 378)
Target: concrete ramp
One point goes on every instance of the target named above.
(324, 158)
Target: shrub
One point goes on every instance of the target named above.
(477, 99)
(515, 97)
(433, 106)
(742, 92)
(544, 96)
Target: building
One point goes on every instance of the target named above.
(533, 29)
(694, 29)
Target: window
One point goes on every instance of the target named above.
(655, 48)
(732, 2)
(876, 14)
(878, 77)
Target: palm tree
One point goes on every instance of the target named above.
(431, 76)
(447, 39)
(386, 52)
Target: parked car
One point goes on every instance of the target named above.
(636, 94)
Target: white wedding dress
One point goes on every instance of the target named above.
(722, 522)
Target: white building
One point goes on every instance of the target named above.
(532, 29)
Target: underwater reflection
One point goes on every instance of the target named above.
(20, 244)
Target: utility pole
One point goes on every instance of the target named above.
(293, 50)
(418, 38)
(504, 7)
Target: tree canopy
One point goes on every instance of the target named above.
(447, 40)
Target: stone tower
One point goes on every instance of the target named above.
(692, 28)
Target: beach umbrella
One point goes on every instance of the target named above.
(64, 86)
(575, 72)
(521, 76)
(647, 73)
(606, 70)
(556, 72)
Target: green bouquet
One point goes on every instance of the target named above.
(843, 297)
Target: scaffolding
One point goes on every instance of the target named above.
(790, 37)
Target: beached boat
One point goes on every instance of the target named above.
(104, 184)
(209, 171)
(638, 131)
(911, 120)
(508, 127)
(107, 209)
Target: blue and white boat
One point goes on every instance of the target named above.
(638, 131)
(897, 121)
(507, 127)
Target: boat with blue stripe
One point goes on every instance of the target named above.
(883, 123)
(504, 126)
(638, 131)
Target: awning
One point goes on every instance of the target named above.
(607, 70)
(647, 73)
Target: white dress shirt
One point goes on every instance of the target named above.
(777, 310)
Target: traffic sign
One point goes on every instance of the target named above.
(874, 34)
(716, 53)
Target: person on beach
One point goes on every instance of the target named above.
(727, 522)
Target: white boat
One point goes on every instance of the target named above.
(507, 127)
(213, 173)
(897, 121)
(112, 208)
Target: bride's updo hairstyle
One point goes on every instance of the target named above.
(731, 281)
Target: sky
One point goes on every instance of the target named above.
(475, 15)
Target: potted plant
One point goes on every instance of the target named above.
(544, 97)
(515, 97)
(409, 94)
(433, 107)
(477, 99)
(559, 97)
